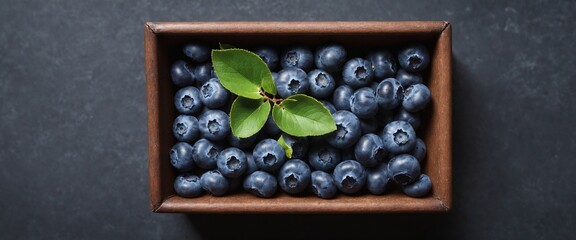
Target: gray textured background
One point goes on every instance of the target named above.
(73, 138)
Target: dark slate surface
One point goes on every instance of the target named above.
(73, 153)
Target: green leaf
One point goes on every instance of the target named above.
(248, 116)
(301, 115)
(287, 148)
(242, 72)
(225, 46)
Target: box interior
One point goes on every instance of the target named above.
(164, 47)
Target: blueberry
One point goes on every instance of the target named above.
(389, 94)
(383, 63)
(214, 125)
(321, 83)
(181, 157)
(369, 150)
(369, 125)
(269, 155)
(252, 166)
(204, 153)
(187, 185)
(414, 58)
(419, 188)
(213, 94)
(215, 183)
(323, 185)
(261, 184)
(187, 100)
(232, 162)
(328, 106)
(185, 128)
(291, 81)
(412, 118)
(403, 169)
(242, 143)
(350, 176)
(347, 132)
(357, 73)
(330, 57)
(294, 176)
(297, 56)
(198, 52)
(408, 78)
(203, 73)
(269, 55)
(419, 151)
(416, 97)
(324, 157)
(363, 103)
(341, 97)
(182, 74)
(398, 137)
(299, 145)
(378, 180)
(271, 128)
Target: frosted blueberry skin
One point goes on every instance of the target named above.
(411, 117)
(261, 184)
(232, 162)
(341, 97)
(389, 94)
(270, 56)
(324, 157)
(213, 94)
(378, 180)
(321, 83)
(322, 184)
(187, 100)
(185, 128)
(269, 155)
(398, 137)
(383, 63)
(348, 130)
(187, 185)
(357, 73)
(252, 166)
(408, 78)
(403, 169)
(197, 52)
(328, 106)
(204, 153)
(369, 150)
(214, 183)
(414, 58)
(294, 176)
(203, 73)
(416, 97)
(214, 125)
(182, 74)
(291, 81)
(419, 188)
(330, 57)
(297, 56)
(181, 157)
(419, 151)
(363, 103)
(350, 176)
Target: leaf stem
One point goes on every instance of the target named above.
(272, 98)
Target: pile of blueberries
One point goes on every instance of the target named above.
(376, 101)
